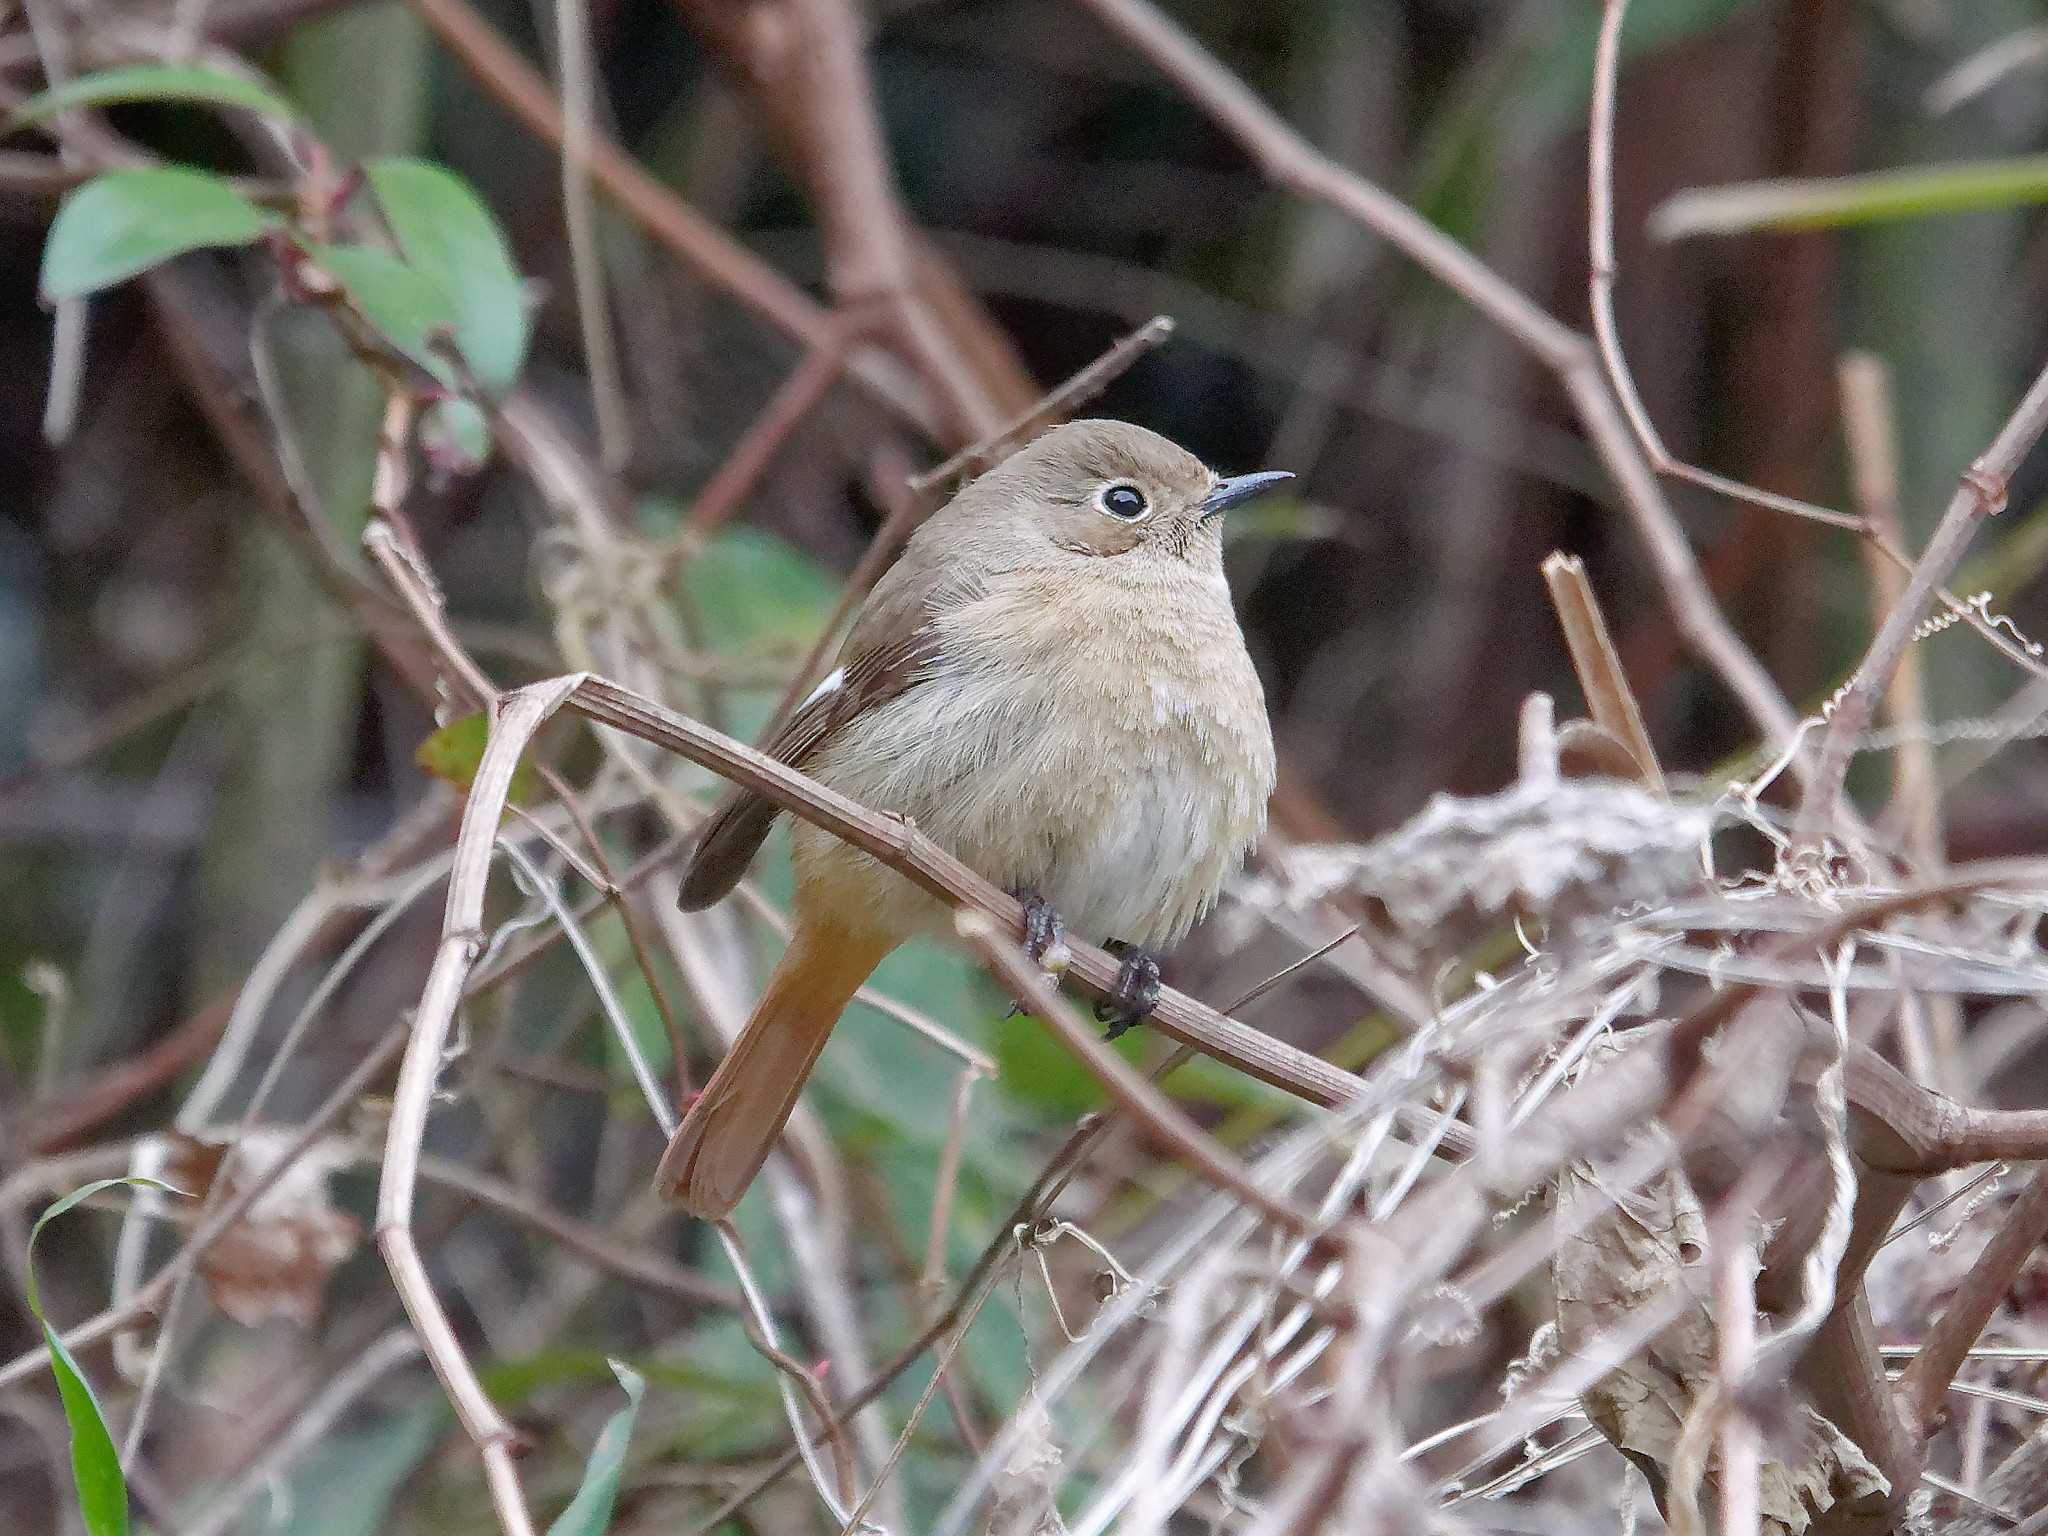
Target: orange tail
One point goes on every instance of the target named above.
(731, 1127)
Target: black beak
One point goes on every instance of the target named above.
(1237, 488)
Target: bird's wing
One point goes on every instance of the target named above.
(891, 647)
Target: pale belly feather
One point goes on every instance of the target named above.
(1119, 791)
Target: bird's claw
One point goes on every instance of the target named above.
(1045, 935)
(1044, 929)
(1136, 992)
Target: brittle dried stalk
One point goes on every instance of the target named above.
(1598, 664)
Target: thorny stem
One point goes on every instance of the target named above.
(1980, 494)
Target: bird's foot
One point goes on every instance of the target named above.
(1044, 929)
(1045, 937)
(1136, 992)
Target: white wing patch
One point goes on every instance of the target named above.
(834, 681)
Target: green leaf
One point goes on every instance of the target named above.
(345, 1485)
(95, 1463)
(753, 590)
(1037, 1068)
(456, 751)
(410, 309)
(450, 238)
(126, 222)
(1840, 201)
(590, 1512)
(149, 82)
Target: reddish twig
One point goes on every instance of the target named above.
(793, 400)
(653, 206)
(1921, 1390)
(801, 63)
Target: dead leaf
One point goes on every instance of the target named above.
(275, 1261)
(1655, 1237)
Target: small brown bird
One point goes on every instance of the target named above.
(1050, 682)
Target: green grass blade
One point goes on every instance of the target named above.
(95, 1463)
(1843, 201)
(591, 1510)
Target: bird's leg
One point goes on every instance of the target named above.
(1044, 929)
(1136, 992)
(1045, 933)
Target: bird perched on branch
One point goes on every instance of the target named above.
(1051, 683)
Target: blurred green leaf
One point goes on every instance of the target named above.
(149, 82)
(456, 751)
(514, 1380)
(590, 1512)
(752, 592)
(410, 309)
(1284, 518)
(345, 1485)
(126, 222)
(450, 238)
(650, 1033)
(1843, 201)
(95, 1463)
(753, 589)
(1037, 1069)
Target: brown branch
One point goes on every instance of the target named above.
(1924, 1386)
(898, 844)
(1870, 439)
(801, 64)
(1607, 336)
(1076, 391)
(793, 400)
(1881, 542)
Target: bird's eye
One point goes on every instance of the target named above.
(1124, 501)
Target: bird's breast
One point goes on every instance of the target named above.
(1108, 750)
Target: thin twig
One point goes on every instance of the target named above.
(1161, 1119)
(1947, 1344)
(1291, 161)
(516, 718)
(1980, 494)
(586, 254)
(680, 228)
(1598, 664)
(1870, 438)
(1077, 390)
